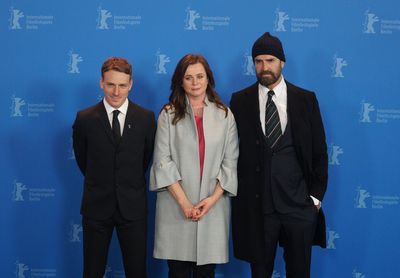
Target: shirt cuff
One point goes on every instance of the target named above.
(316, 201)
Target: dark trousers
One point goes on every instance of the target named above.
(97, 235)
(181, 269)
(296, 235)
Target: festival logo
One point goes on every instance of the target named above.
(281, 17)
(20, 269)
(16, 105)
(194, 21)
(379, 115)
(191, 17)
(365, 199)
(366, 109)
(162, 60)
(338, 64)
(334, 152)
(357, 274)
(276, 274)
(109, 272)
(74, 59)
(33, 109)
(331, 237)
(370, 20)
(19, 188)
(15, 16)
(285, 23)
(24, 271)
(248, 65)
(106, 20)
(74, 232)
(21, 192)
(361, 196)
(102, 16)
(31, 22)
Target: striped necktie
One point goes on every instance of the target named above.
(273, 129)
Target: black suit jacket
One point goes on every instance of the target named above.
(309, 140)
(114, 173)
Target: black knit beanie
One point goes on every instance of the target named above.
(267, 44)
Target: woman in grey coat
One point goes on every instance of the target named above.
(194, 173)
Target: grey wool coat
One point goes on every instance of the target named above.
(176, 158)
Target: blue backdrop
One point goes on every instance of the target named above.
(346, 51)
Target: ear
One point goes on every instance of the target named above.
(282, 64)
(130, 84)
(101, 83)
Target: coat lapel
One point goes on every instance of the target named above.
(295, 114)
(254, 109)
(130, 118)
(130, 121)
(103, 118)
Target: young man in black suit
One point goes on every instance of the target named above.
(282, 168)
(113, 144)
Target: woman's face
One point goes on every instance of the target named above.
(195, 81)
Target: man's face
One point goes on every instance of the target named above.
(116, 86)
(268, 70)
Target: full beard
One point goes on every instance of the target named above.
(267, 80)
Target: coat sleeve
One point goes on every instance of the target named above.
(319, 177)
(79, 143)
(227, 174)
(164, 171)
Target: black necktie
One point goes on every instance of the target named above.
(273, 129)
(116, 128)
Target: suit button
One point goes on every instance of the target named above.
(117, 185)
(257, 196)
(257, 142)
(257, 169)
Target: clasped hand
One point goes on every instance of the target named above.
(196, 212)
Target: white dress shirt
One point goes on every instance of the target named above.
(280, 100)
(122, 113)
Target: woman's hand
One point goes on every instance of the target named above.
(207, 203)
(188, 209)
(203, 207)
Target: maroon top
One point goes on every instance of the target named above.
(200, 133)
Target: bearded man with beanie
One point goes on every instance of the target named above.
(282, 168)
